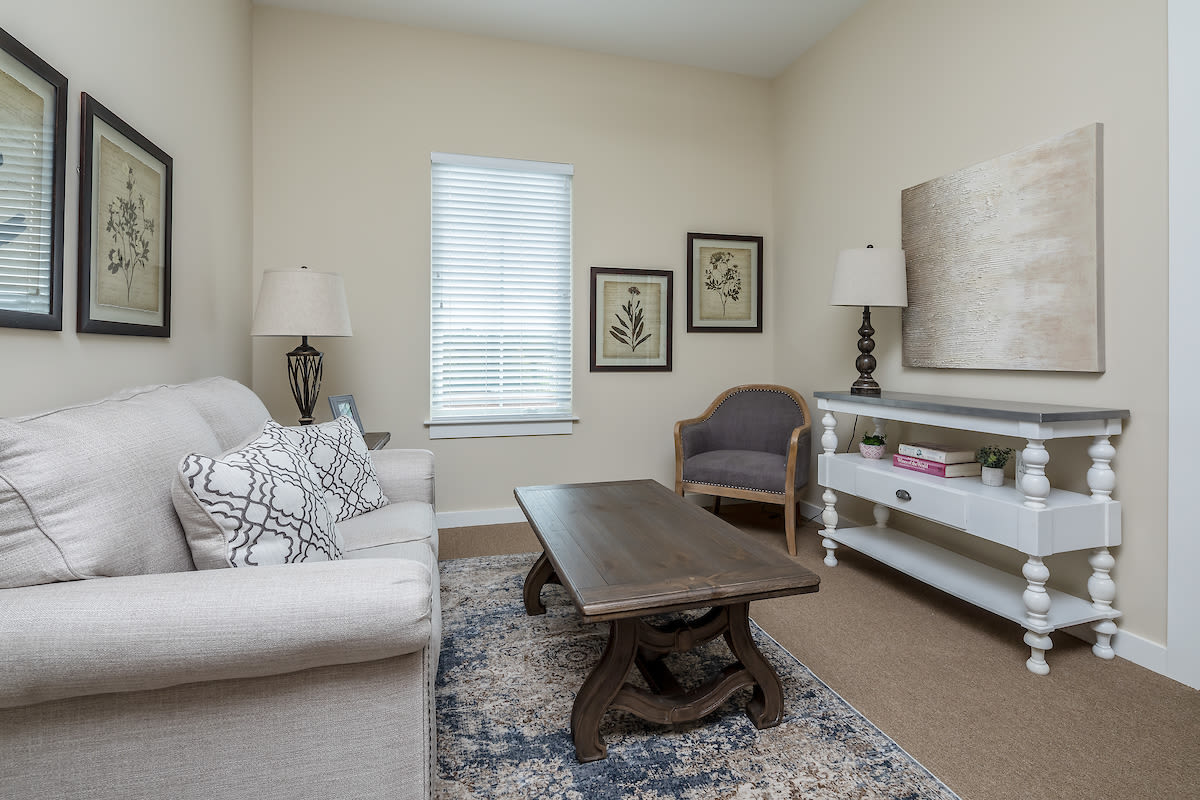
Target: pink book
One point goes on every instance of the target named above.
(936, 468)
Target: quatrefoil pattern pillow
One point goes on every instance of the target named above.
(259, 504)
(339, 453)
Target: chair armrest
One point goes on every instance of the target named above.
(800, 434)
(405, 474)
(692, 436)
(152, 631)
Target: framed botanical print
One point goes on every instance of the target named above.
(124, 228)
(33, 154)
(724, 275)
(631, 319)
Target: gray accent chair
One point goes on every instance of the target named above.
(752, 443)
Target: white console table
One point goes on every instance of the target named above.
(1033, 518)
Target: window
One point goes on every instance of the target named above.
(501, 297)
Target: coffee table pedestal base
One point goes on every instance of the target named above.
(634, 642)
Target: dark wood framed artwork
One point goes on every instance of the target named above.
(33, 157)
(343, 405)
(631, 316)
(124, 228)
(724, 283)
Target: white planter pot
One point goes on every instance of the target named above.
(992, 476)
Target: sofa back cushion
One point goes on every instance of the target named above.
(85, 491)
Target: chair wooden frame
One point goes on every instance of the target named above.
(787, 498)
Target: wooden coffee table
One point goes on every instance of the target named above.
(633, 549)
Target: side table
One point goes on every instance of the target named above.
(377, 440)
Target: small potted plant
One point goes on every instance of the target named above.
(872, 444)
(993, 460)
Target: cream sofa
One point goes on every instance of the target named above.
(127, 673)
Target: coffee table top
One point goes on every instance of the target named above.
(634, 548)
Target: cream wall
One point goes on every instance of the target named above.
(178, 72)
(346, 114)
(908, 90)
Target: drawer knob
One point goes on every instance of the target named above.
(901, 494)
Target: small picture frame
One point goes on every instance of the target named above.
(725, 278)
(631, 316)
(33, 155)
(342, 405)
(124, 228)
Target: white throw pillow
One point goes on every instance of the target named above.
(343, 463)
(259, 504)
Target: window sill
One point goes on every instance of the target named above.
(479, 428)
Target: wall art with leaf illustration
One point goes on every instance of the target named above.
(631, 319)
(725, 275)
(124, 228)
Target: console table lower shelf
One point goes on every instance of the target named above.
(986, 587)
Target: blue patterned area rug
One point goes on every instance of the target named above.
(507, 681)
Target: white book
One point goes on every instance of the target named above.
(932, 451)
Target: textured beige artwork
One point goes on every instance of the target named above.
(632, 320)
(1004, 261)
(129, 268)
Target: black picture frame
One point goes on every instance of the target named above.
(123, 241)
(343, 405)
(46, 87)
(621, 317)
(737, 279)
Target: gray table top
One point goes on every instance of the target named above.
(996, 409)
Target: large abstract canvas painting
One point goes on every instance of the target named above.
(1005, 261)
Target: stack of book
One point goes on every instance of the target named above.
(936, 459)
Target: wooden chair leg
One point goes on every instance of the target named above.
(717, 504)
(789, 516)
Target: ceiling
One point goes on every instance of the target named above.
(749, 37)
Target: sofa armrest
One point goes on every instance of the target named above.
(152, 631)
(405, 474)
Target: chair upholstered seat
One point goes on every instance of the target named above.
(753, 443)
(742, 469)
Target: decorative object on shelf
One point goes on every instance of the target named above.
(33, 156)
(868, 276)
(725, 278)
(124, 228)
(933, 451)
(302, 302)
(630, 320)
(1014, 243)
(342, 405)
(872, 445)
(960, 469)
(993, 459)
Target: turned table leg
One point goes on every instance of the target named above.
(1037, 612)
(1102, 480)
(829, 443)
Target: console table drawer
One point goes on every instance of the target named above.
(904, 493)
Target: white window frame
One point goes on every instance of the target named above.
(449, 424)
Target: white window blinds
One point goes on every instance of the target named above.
(26, 219)
(501, 290)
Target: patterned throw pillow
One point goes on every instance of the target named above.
(259, 504)
(343, 464)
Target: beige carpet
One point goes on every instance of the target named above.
(948, 682)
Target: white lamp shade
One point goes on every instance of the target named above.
(301, 302)
(870, 276)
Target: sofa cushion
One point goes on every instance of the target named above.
(85, 491)
(406, 521)
(259, 504)
(339, 453)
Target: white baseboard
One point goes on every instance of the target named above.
(483, 516)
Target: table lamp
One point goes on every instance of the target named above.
(302, 302)
(869, 276)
